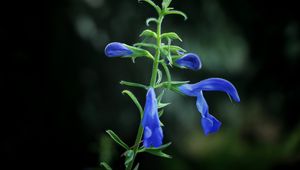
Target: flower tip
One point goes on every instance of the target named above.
(116, 49)
(191, 61)
(210, 124)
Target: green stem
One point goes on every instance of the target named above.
(167, 71)
(157, 53)
(152, 84)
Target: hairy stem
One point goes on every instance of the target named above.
(152, 84)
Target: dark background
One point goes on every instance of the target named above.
(60, 93)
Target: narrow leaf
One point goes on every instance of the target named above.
(145, 45)
(148, 33)
(151, 20)
(105, 165)
(160, 96)
(134, 99)
(173, 48)
(157, 151)
(139, 52)
(160, 113)
(166, 3)
(137, 166)
(159, 76)
(162, 105)
(175, 12)
(171, 35)
(116, 138)
(127, 83)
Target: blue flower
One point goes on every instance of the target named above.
(116, 49)
(153, 134)
(209, 123)
(190, 60)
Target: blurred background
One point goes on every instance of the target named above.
(61, 93)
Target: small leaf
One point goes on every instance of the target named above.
(162, 147)
(137, 166)
(136, 102)
(173, 48)
(166, 3)
(172, 85)
(127, 83)
(139, 52)
(151, 20)
(175, 12)
(148, 33)
(160, 96)
(161, 124)
(159, 76)
(179, 82)
(116, 138)
(171, 35)
(105, 165)
(157, 151)
(145, 45)
(162, 105)
(128, 157)
(161, 112)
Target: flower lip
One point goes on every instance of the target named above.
(190, 61)
(116, 49)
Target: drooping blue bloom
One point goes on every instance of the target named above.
(153, 134)
(116, 49)
(190, 61)
(209, 123)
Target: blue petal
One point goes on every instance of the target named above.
(209, 123)
(116, 49)
(202, 104)
(153, 134)
(211, 84)
(191, 61)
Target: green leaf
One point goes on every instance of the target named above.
(171, 84)
(157, 8)
(166, 3)
(159, 76)
(105, 165)
(162, 105)
(169, 56)
(116, 138)
(136, 102)
(137, 166)
(175, 12)
(160, 96)
(148, 33)
(128, 157)
(161, 112)
(127, 83)
(173, 48)
(145, 45)
(171, 35)
(138, 52)
(151, 20)
(178, 82)
(157, 151)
